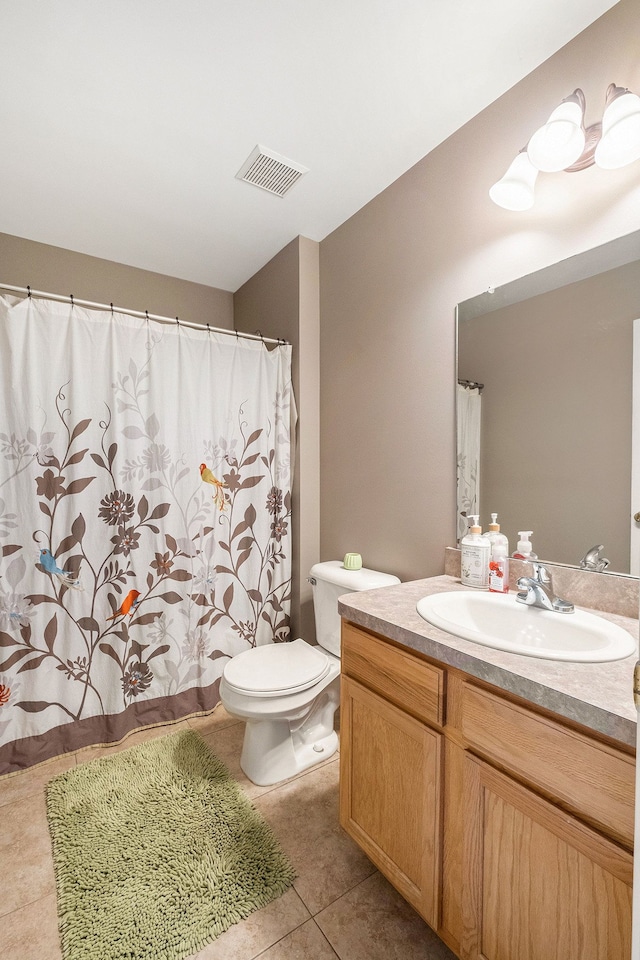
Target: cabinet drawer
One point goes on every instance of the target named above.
(587, 777)
(401, 677)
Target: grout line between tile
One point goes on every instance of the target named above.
(30, 903)
(344, 893)
(328, 942)
(280, 939)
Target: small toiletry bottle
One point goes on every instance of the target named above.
(524, 550)
(499, 567)
(474, 557)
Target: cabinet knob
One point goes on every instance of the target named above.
(636, 517)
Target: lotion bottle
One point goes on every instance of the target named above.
(493, 535)
(474, 557)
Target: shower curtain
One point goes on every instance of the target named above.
(468, 411)
(145, 512)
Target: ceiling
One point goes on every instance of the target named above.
(124, 123)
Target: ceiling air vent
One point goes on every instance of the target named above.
(266, 169)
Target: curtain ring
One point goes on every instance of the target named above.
(146, 313)
(111, 309)
(29, 291)
(71, 298)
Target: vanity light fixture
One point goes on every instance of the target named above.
(563, 143)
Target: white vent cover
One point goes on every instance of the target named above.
(266, 169)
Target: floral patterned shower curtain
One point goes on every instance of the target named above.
(145, 511)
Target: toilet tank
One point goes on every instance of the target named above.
(331, 580)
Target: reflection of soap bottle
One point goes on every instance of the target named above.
(474, 557)
(499, 566)
(524, 550)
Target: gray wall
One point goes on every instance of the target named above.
(390, 279)
(54, 270)
(282, 300)
(556, 414)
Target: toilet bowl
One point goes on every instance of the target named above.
(287, 693)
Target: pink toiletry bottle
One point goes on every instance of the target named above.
(499, 566)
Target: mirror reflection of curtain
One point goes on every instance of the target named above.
(468, 407)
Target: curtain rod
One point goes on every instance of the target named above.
(472, 384)
(138, 313)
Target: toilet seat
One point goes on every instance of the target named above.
(276, 669)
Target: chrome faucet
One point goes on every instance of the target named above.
(537, 591)
(593, 559)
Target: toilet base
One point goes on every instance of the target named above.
(275, 750)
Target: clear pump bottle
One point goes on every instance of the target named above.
(493, 534)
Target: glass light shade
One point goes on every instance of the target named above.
(558, 144)
(515, 190)
(620, 141)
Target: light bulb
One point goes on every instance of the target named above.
(515, 191)
(560, 142)
(620, 141)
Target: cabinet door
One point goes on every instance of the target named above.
(390, 793)
(540, 885)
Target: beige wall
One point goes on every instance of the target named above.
(54, 270)
(392, 274)
(556, 414)
(282, 300)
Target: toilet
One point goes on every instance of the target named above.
(288, 692)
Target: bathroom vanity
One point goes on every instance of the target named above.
(494, 791)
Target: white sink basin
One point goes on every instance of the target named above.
(504, 623)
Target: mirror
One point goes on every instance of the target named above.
(554, 353)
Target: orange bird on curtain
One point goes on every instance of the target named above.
(127, 606)
(208, 477)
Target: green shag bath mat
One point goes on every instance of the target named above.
(157, 851)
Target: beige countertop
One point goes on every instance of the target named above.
(597, 695)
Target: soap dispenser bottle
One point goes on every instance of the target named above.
(524, 550)
(474, 557)
(493, 534)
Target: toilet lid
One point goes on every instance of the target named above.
(276, 668)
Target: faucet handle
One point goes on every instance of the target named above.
(540, 572)
(594, 559)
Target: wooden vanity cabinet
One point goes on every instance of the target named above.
(508, 830)
(540, 885)
(390, 766)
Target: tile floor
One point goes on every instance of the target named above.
(339, 907)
